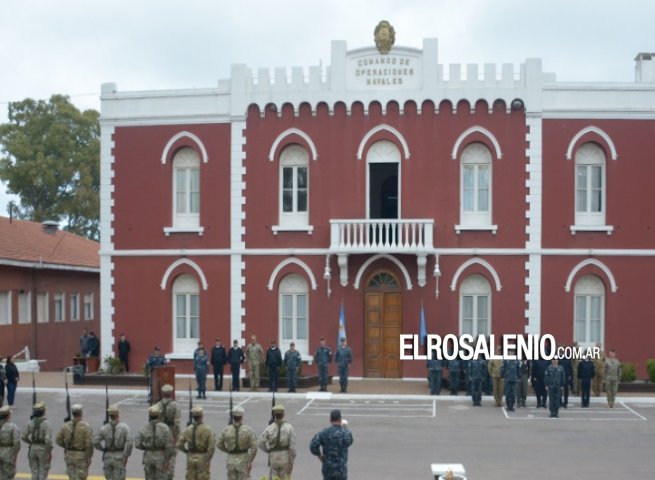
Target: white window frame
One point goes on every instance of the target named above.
(590, 157)
(383, 151)
(476, 287)
(295, 287)
(74, 306)
(587, 289)
(60, 312)
(476, 156)
(5, 307)
(186, 160)
(88, 306)
(293, 157)
(24, 307)
(185, 286)
(42, 307)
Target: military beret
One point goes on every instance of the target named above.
(113, 409)
(238, 412)
(278, 409)
(335, 414)
(5, 411)
(167, 388)
(76, 408)
(196, 412)
(154, 411)
(39, 406)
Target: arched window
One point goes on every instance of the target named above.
(589, 321)
(186, 189)
(294, 313)
(475, 306)
(383, 159)
(186, 314)
(294, 186)
(475, 187)
(590, 185)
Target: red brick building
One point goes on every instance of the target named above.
(49, 291)
(501, 200)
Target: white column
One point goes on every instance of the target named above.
(237, 231)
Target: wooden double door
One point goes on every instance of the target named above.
(383, 326)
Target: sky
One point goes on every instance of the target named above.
(71, 47)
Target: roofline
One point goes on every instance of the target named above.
(49, 266)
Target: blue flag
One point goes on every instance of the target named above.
(423, 332)
(342, 326)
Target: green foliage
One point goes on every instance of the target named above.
(50, 158)
(628, 372)
(113, 365)
(650, 368)
(282, 371)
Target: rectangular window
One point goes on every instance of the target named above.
(5, 308)
(588, 318)
(60, 307)
(24, 307)
(294, 321)
(294, 195)
(42, 307)
(187, 322)
(475, 315)
(74, 302)
(88, 306)
(590, 195)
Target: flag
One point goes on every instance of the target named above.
(342, 326)
(423, 332)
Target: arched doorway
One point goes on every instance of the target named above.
(383, 326)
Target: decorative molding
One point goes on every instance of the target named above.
(184, 261)
(286, 133)
(394, 260)
(292, 261)
(596, 263)
(597, 131)
(379, 128)
(472, 130)
(176, 137)
(476, 261)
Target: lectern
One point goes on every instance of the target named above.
(160, 377)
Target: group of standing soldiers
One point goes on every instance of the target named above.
(551, 380)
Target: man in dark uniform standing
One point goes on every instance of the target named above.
(586, 373)
(218, 360)
(273, 363)
(554, 379)
(235, 357)
(539, 367)
(323, 357)
(566, 364)
(124, 352)
(330, 445)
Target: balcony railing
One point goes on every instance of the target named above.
(381, 235)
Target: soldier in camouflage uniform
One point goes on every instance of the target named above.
(156, 441)
(554, 379)
(9, 444)
(477, 368)
(510, 371)
(115, 442)
(240, 443)
(435, 368)
(76, 438)
(38, 435)
(255, 357)
(279, 442)
(494, 366)
(330, 445)
(599, 369)
(611, 376)
(323, 357)
(198, 442)
(171, 415)
(292, 361)
(343, 359)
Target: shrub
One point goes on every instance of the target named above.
(113, 365)
(282, 371)
(650, 368)
(628, 372)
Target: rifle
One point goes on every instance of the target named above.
(106, 405)
(68, 399)
(272, 420)
(230, 411)
(190, 405)
(33, 394)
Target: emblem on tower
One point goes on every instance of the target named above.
(385, 36)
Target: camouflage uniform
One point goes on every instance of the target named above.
(292, 360)
(9, 445)
(599, 369)
(611, 376)
(198, 442)
(477, 369)
(323, 357)
(240, 443)
(435, 368)
(38, 435)
(76, 438)
(494, 366)
(254, 355)
(156, 441)
(114, 440)
(171, 415)
(279, 441)
(343, 359)
(522, 391)
(331, 445)
(554, 379)
(510, 371)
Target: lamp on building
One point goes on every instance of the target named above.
(437, 274)
(327, 275)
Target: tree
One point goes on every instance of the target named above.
(50, 158)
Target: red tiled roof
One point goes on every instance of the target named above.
(24, 241)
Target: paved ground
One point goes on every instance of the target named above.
(400, 435)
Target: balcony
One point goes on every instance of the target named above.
(381, 235)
